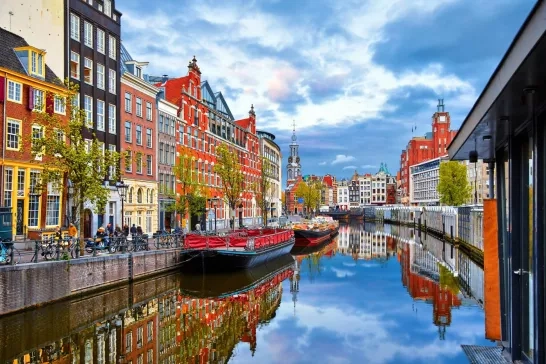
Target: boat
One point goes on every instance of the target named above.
(218, 285)
(314, 232)
(327, 245)
(237, 250)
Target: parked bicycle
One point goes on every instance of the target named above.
(8, 253)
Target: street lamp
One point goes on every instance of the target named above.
(215, 204)
(71, 209)
(122, 191)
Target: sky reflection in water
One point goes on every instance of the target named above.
(361, 311)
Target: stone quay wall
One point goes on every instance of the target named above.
(28, 285)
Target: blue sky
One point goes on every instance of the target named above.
(354, 75)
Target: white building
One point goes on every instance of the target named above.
(272, 152)
(373, 187)
(424, 178)
(342, 200)
(478, 179)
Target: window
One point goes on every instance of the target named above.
(139, 164)
(88, 71)
(112, 118)
(8, 186)
(112, 171)
(139, 135)
(37, 64)
(149, 111)
(88, 34)
(14, 91)
(149, 143)
(108, 7)
(53, 205)
(88, 107)
(13, 135)
(74, 27)
(161, 117)
(100, 115)
(33, 200)
(128, 102)
(139, 72)
(100, 76)
(139, 106)
(161, 152)
(101, 40)
(74, 65)
(112, 47)
(21, 183)
(149, 165)
(128, 131)
(150, 356)
(112, 82)
(128, 164)
(37, 133)
(128, 342)
(38, 100)
(139, 199)
(59, 106)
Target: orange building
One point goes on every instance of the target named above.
(432, 145)
(205, 123)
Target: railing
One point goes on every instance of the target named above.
(251, 240)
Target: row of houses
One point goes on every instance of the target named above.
(152, 121)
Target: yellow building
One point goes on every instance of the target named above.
(141, 205)
(27, 85)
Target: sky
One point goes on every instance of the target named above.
(355, 76)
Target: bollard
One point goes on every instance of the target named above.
(451, 251)
(77, 249)
(57, 250)
(12, 255)
(95, 249)
(36, 249)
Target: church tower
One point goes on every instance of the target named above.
(294, 166)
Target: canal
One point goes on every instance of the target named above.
(376, 294)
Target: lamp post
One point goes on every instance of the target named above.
(71, 206)
(122, 191)
(215, 203)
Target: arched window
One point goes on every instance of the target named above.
(152, 196)
(147, 195)
(130, 199)
(139, 195)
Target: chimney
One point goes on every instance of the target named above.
(165, 78)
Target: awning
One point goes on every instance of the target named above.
(503, 100)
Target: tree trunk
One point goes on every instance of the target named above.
(82, 221)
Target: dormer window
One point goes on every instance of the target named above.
(138, 72)
(37, 64)
(33, 59)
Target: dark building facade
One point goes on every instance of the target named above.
(92, 36)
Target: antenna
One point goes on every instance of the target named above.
(10, 15)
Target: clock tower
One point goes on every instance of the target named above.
(294, 166)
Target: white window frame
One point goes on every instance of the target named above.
(15, 91)
(88, 107)
(108, 7)
(59, 105)
(138, 134)
(112, 170)
(39, 99)
(112, 119)
(53, 197)
(101, 40)
(112, 81)
(100, 114)
(149, 138)
(74, 27)
(18, 135)
(88, 65)
(112, 46)
(138, 103)
(88, 34)
(128, 102)
(41, 131)
(149, 111)
(149, 165)
(100, 76)
(75, 58)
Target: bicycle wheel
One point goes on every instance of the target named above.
(16, 256)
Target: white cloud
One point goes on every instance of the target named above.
(266, 81)
(342, 158)
(349, 167)
(368, 166)
(342, 273)
(322, 163)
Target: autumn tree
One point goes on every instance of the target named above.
(263, 189)
(310, 191)
(228, 167)
(453, 186)
(66, 155)
(189, 198)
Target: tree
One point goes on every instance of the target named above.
(68, 156)
(453, 186)
(228, 167)
(189, 197)
(311, 193)
(264, 188)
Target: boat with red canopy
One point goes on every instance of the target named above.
(239, 249)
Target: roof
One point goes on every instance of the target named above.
(124, 57)
(8, 58)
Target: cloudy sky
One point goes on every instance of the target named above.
(355, 75)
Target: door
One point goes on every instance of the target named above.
(19, 229)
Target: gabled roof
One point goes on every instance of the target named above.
(243, 123)
(221, 103)
(8, 58)
(124, 57)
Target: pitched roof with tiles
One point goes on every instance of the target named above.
(10, 60)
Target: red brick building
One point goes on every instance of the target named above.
(432, 145)
(27, 86)
(207, 122)
(139, 145)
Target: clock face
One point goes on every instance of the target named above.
(290, 159)
(442, 118)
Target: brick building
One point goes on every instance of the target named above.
(139, 145)
(27, 85)
(205, 123)
(432, 145)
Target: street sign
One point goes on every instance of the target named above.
(300, 200)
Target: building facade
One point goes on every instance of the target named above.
(27, 85)
(138, 145)
(272, 152)
(92, 60)
(478, 179)
(294, 205)
(424, 179)
(205, 123)
(342, 197)
(432, 145)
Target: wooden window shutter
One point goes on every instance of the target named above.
(2, 89)
(30, 98)
(50, 103)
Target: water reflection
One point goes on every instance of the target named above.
(376, 294)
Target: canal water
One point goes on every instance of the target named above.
(376, 294)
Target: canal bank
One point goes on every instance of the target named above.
(28, 285)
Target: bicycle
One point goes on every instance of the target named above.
(7, 251)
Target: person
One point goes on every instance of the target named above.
(126, 230)
(139, 230)
(58, 233)
(117, 231)
(72, 231)
(109, 229)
